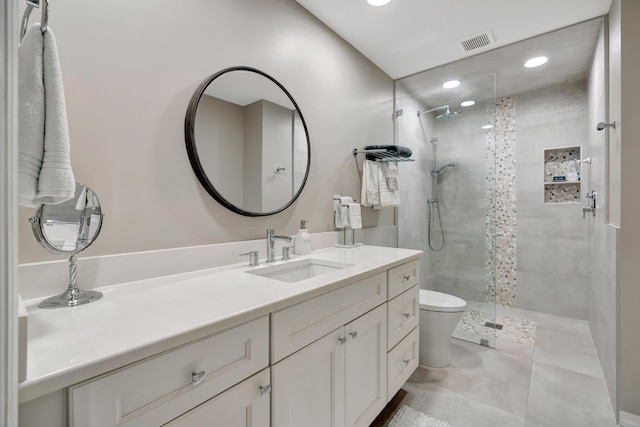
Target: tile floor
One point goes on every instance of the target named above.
(556, 382)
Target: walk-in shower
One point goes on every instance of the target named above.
(448, 208)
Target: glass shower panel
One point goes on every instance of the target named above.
(448, 208)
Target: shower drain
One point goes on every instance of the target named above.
(493, 325)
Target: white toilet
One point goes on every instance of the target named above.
(439, 315)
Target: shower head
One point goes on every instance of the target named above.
(448, 115)
(448, 165)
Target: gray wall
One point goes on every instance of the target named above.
(553, 261)
(130, 69)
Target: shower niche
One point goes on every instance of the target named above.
(562, 174)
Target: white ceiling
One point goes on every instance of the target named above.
(408, 36)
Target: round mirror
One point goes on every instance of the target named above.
(247, 141)
(68, 228)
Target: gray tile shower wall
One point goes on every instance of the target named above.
(552, 239)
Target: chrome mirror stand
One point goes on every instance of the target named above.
(73, 296)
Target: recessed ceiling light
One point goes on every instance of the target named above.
(467, 103)
(487, 126)
(378, 2)
(451, 84)
(536, 62)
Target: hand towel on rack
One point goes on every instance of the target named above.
(388, 198)
(56, 182)
(30, 115)
(44, 166)
(370, 193)
(392, 176)
(342, 212)
(355, 217)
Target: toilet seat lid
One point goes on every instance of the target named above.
(438, 301)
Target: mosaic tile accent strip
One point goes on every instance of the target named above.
(505, 202)
(514, 329)
(490, 217)
(562, 193)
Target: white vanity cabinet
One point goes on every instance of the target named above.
(339, 380)
(158, 390)
(330, 351)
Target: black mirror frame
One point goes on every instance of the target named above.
(194, 159)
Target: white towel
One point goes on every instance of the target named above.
(370, 193)
(388, 198)
(355, 218)
(392, 176)
(341, 210)
(44, 164)
(30, 116)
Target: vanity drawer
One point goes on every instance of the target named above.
(157, 390)
(295, 327)
(401, 362)
(403, 314)
(403, 277)
(247, 404)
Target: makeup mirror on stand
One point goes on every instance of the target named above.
(67, 229)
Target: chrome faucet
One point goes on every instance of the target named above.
(271, 243)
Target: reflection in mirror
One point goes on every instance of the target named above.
(67, 229)
(247, 141)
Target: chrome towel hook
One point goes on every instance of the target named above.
(44, 16)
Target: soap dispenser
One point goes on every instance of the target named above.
(302, 245)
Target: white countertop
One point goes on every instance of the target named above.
(140, 319)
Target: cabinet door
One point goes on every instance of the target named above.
(245, 405)
(309, 387)
(366, 367)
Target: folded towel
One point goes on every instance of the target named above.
(392, 176)
(342, 212)
(370, 194)
(56, 183)
(30, 115)
(397, 150)
(44, 166)
(388, 198)
(355, 217)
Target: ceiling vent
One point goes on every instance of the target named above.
(477, 41)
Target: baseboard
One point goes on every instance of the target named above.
(629, 420)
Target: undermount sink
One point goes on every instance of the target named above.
(295, 271)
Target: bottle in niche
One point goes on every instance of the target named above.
(572, 172)
(302, 243)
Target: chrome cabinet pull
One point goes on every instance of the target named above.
(197, 378)
(342, 340)
(265, 390)
(406, 315)
(354, 334)
(406, 362)
(407, 277)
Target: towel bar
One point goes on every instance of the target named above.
(44, 17)
(382, 155)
